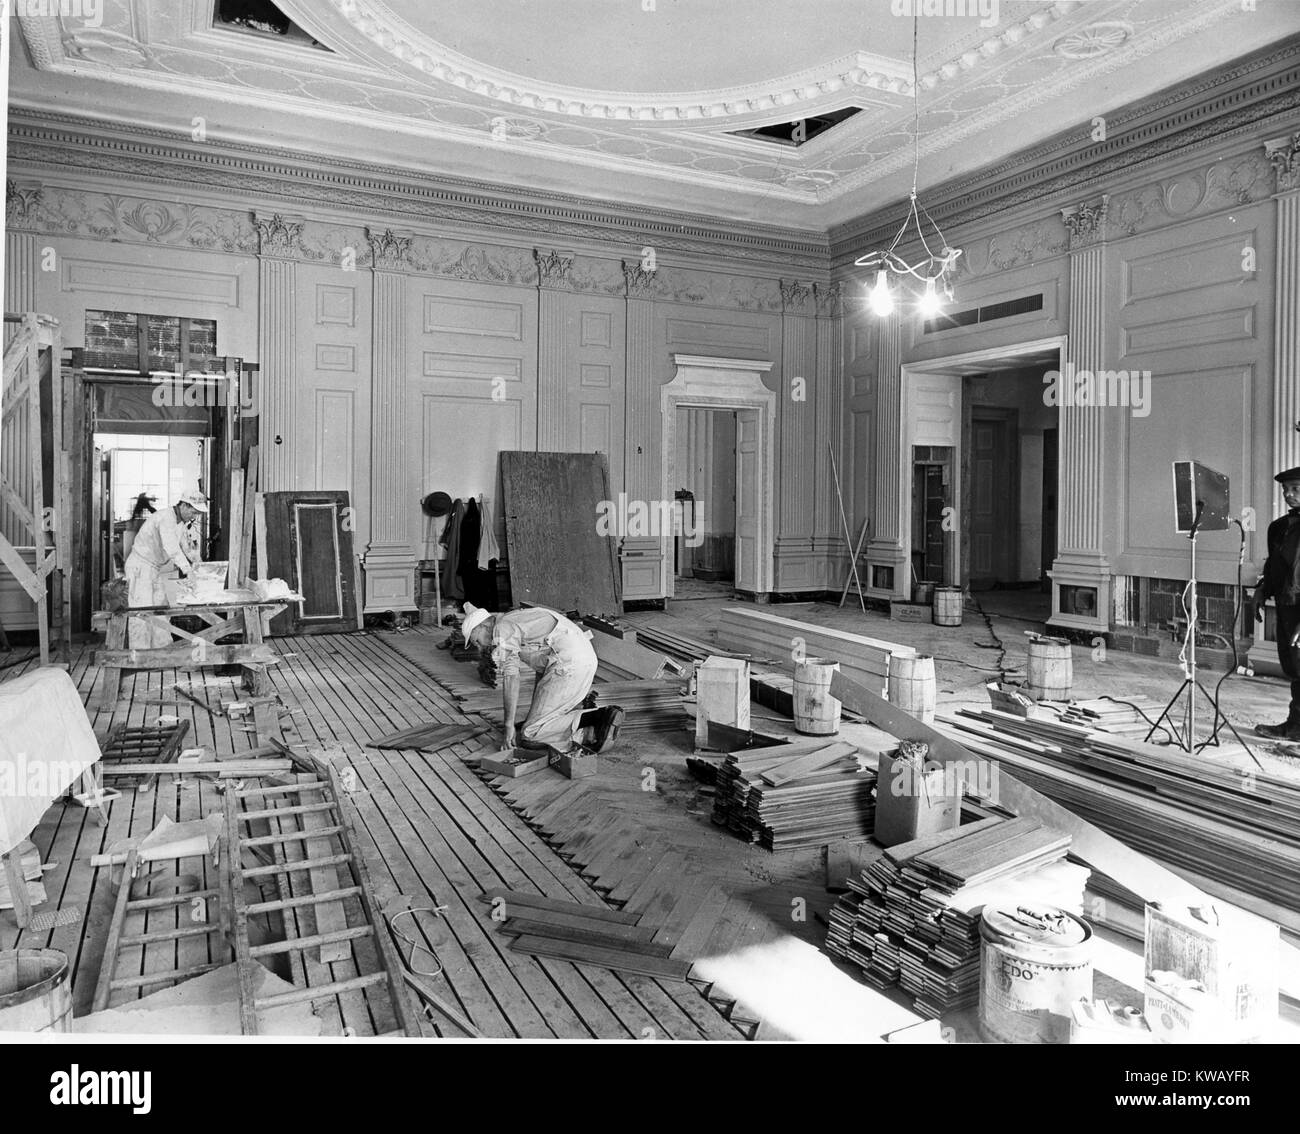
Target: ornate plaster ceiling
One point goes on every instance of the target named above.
(636, 101)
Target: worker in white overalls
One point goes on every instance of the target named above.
(159, 548)
(561, 653)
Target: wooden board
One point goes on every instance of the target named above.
(557, 556)
(309, 544)
(249, 521)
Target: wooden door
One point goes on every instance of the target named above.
(309, 545)
(995, 486)
(1050, 464)
(749, 501)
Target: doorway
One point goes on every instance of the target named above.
(704, 558)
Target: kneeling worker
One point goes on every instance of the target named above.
(156, 549)
(561, 653)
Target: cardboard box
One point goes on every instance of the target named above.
(909, 612)
(1210, 979)
(913, 800)
(721, 695)
(576, 765)
(519, 762)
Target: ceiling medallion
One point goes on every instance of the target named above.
(809, 178)
(1093, 40)
(512, 128)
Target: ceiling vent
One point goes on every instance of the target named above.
(261, 17)
(798, 131)
(987, 314)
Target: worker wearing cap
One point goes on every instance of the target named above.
(158, 548)
(1281, 583)
(561, 653)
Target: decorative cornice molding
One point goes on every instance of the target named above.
(278, 235)
(829, 299)
(390, 251)
(795, 297)
(21, 202)
(161, 158)
(1284, 156)
(554, 269)
(1086, 222)
(1198, 115)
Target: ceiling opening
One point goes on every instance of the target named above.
(260, 17)
(798, 131)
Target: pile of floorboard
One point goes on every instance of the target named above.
(668, 641)
(912, 917)
(544, 927)
(1113, 716)
(652, 706)
(798, 795)
(1236, 827)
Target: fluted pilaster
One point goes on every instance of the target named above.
(1284, 154)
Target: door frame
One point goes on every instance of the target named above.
(957, 366)
(703, 382)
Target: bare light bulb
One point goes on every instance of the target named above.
(928, 305)
(882, 303)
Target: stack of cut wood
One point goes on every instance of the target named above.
(912, 917)
(1113, 716)
(795, 795)
(1229, 827)
(862, 659)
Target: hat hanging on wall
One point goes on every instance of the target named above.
(436, 504)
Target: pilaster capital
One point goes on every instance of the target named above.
(796, 297)
(639, 280)
(21, 201)
(390, 251)
(1086, 222)
(554, 269)
(279, 235)
(1284, 156)
(829, 299)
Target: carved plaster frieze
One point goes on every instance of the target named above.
(21, 202)
(1086, 222)
(597, 277)
(796, 297)
(553, 269)
(481, 263)
(1015, 248)
(1284, 156)
(829, 299)
(389, 251)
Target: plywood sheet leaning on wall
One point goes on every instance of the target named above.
(557, 553)
(309, 545)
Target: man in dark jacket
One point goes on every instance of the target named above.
(1281, 583)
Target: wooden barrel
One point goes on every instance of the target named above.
(912, 685)
(947, 606)
(1051, 669)
(816, 712)
(35, 992)
(1035, 962)
(923, 593)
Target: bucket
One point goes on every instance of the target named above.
(912, 685)
(1050, 675)
(816, 712)
(923, 593)
(35, 992)
(1035, 962)
(947, 606)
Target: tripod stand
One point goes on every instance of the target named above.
(1185, 734)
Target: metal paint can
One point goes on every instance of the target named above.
(1035, 962)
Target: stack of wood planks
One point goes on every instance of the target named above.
(545, 927)
(1113, 716)
(795, 795)
(660, 637)
(1237, 829)
(912, 917)
(864, 660)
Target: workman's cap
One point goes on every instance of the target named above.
(1290, 474)
(195, 500)
(475, 616)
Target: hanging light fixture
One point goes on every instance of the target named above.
(933, 268)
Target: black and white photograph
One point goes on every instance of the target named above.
(535, 523)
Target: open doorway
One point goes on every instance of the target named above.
(704, 552)
(1009, 490)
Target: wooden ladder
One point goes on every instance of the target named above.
(322, 866)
